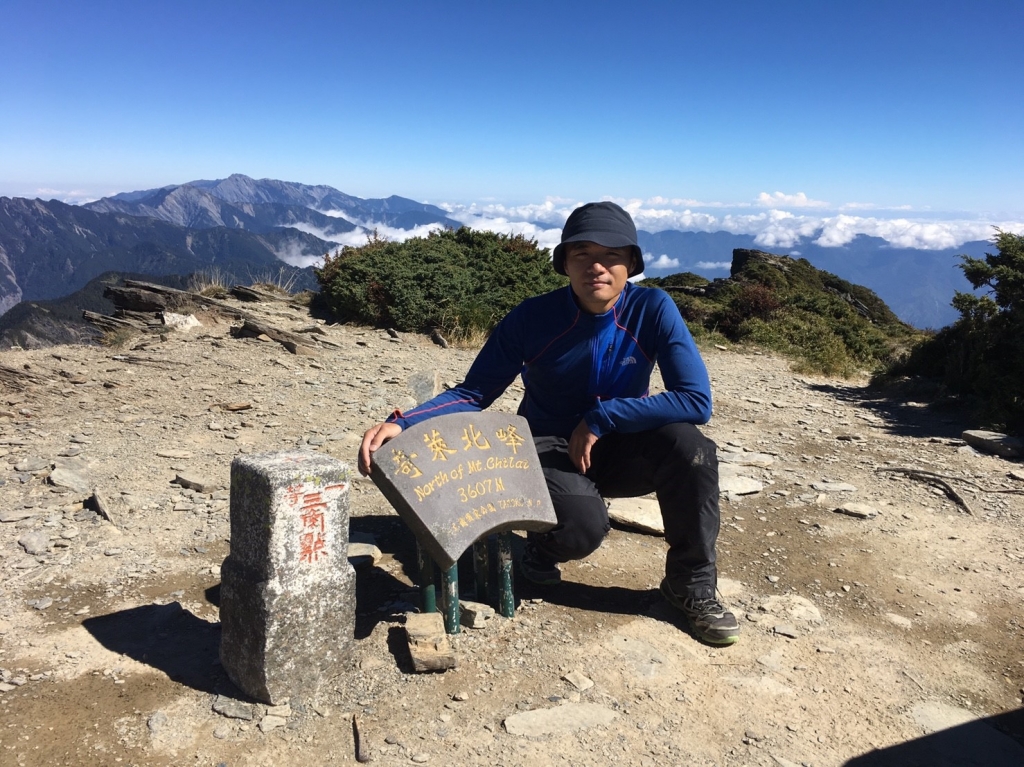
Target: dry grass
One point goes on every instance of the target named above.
(280, 282)
(212, 283)
(305, 298)
(473, 338)
(120, 338)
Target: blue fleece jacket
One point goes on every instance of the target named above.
(577, 366)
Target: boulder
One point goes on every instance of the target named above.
(995, 443)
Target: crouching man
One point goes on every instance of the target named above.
(586, 353)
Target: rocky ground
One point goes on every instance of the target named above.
(892, 635)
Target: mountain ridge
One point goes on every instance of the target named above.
(50, 249)
(47, 250)
(239, 192)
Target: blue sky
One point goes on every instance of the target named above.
(859, 113)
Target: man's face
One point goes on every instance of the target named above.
(597, 274)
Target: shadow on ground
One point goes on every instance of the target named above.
(995, 741)
(903, 415)
(168, 638)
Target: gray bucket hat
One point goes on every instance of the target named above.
(604, 223)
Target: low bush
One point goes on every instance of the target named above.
(828, 325)
(980, 358)
(460, 282)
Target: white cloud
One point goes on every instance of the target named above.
(872, 206)
(294, 255)
(546, 237)
(661, 262)
(361, 234)
(659, 219)
(677, 202)
(781, 228)
(798, 200)
(554, 210)
(69, 196)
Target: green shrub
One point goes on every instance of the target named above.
(980, 357)
(460, 282)
(695, 310)
(806, 337)
(748, 301)
(826, 324)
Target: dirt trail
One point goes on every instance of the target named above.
(858, 633)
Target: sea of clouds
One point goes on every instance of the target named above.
(775, 220)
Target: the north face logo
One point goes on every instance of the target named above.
(628, 361)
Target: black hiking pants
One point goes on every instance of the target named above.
(675, 461)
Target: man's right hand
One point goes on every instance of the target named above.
(372, 440)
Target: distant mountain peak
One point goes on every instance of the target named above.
(239, 190)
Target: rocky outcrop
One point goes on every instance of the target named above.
(741, 257)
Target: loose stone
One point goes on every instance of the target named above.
(899, 620)
(35, 543)
(180, 454)
(75, 481)
(364, 555)
(474, 615)
(32, 465)
(739, 486)
(858, 510)
(994, 442)
(284, 710)
(233, 709)
(833, 487)
(578, 680)
(561, 719)
(429, 646)
(269, 723)
(18, 515)
(792, 607)
(194, 482)
(643, 514)
(157, 722)
(747, 459)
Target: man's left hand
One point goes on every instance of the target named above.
(580, 442)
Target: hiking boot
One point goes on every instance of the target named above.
(537, 568)
(708, 618)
